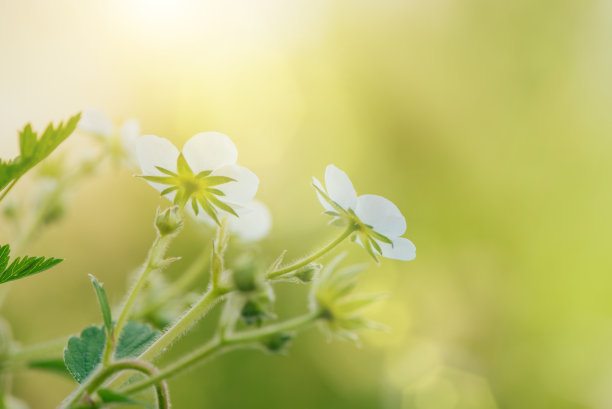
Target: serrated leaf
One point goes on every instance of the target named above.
(108, 396)
(104, 304)
(55, 365)
(84, 353)
(22, 267)
(34, 149)
(134, 339)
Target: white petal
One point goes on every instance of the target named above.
(209, 151)
(242, 191)
(154, 151)
(339, 187)
(253, 225)
(380, 213)
(318, 184)
(96, 123)
(402, 249)
(129, 130)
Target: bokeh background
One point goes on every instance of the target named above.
(487, 122)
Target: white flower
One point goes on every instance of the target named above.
(205, 173)
(253, 224)
(120, 142)
(378, 223)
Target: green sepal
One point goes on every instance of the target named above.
(104, 304)
(182, 166)
(22, 267)
(328, 199)
(380, 237)
(164, 180)
(218, 180)
(166, 171)
(223, 206)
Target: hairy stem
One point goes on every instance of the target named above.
(96, 379)
(282, 271)
(152, 263)
(217, 345)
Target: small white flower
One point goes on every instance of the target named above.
(120, 142)
(205, 173)
(253, 224)
(378, 223)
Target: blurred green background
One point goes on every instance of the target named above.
(487, 122)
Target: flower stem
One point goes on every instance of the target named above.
(199, 309)
(152, 263)
(218, 345)
(186, 279)
(280, 272)
(95, 380)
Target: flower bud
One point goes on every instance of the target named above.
(245, 278)
(277, 343)
(258, 306)
(307, 273)
(169, 221)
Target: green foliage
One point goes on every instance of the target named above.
(108, 396)
(34, 149)
(55, 365)
(22, 267)
(104, 305)
(134, 339)
(84, 353)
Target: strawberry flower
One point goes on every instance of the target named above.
(120, 142)
(204, 175)
(378, 224)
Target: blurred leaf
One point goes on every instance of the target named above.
(55, 365)
(104, 305)
(22, 267)
(84, 353)
(33, 150)
(134, 339)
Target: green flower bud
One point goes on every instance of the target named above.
(307, 273)
(169, 221)
(277, 343)
(245, 278)
(258, 307)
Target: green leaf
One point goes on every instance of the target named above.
(84, 353)
(104, 305)
(55, 365)
(34, 149)
(22, 267)
(134, 339)
(108, 396)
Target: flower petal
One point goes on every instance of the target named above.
(340, 188)
(254, 225)
(209, 151)
(240, 192)
(129, 130)
(402, 249)
(380, 213)
(154, 151)
(318, 184)
(96, 122)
